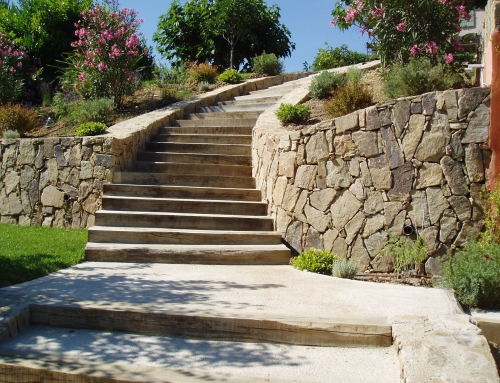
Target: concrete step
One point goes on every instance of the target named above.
(236, 107)
(216, 122)
(230, 130)
(204, 138)
(267, 94)
(192, 168)
(189, 254)
(156, 236)
(196, 206)
(195, 158)
(182, 192)
(140, 178)
(229, 324)
(183, 220)
(184, 147)
(234, 115)
(254, 99)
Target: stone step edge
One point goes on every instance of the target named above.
(192, 215)
(178, 188)
(185, 231)
(180, 200)
(15, 366)
(223, 324)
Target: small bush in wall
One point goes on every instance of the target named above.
(323, 84)
(16, 117)
(90, 129)
(267, 64)
(288, 113)
(316, 261)
(344, 268)
(348, 99)
(231, 76)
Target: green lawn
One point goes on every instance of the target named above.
(27, 253)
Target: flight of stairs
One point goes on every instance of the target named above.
(190, 196)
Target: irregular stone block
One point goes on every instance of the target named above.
(90, 205)
(366, 177)
(391, 210)
(416, 107)
(316, 218)
(52, 196)
(383, 263)
(374, 202)
(401, 113)
(347, 122)
(372, 118)
(437, 203)
(345, 146)
(294, 236)
(413, 135)
(373, 224)
(359, 255)
(430, 236)
(86, 170)
(457, 150)
(287, 164)
(398, 224)
(338, 175)
(15, 204)
(279, 190)
(60, 157)
(305, 176)
(402, 180)
(105, 160)
(27, 175)
(11, 181)
(470, 100)
(432, 147)
(450, 101)
(474, 163)
(339, 247)
(448, 228)
(26, 153)
(317, 148)
(329, 238)
(418, 209)
(470, 231)
(367, 143)
(344, 208)
(358, 190)
(430, 174)
(322, 199)
(75, 156)
(428, 103)
(392, 150)
(479, 126)
(381, 178)
(290, 198)
(313, 239)
(353, 227)
(282, 221)
(462, 207)
(454, 175)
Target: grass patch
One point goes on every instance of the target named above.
(28, 253)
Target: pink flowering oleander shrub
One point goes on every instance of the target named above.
(403, 29)
(107, 52)
(12, 70)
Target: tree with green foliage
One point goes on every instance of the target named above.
(227, 33)
(46, 28)
(330, 57)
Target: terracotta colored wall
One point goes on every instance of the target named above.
(494, 170)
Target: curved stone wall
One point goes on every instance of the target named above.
(342, 184)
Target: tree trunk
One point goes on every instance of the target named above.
(231, 57)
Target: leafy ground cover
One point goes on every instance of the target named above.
(28, 253)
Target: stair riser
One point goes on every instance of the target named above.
(244, 101)
(184, 222)
(208, 130)
(203, 325)
(159, 238)
(198, 138)
(196, 181)
(217, 122)
(241, 150)
(186, 158)
(193, 169)
(236, 107)
(233, 115)
(182, 192)
(184, 206)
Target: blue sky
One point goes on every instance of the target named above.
(307, 20)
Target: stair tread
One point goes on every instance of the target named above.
(194, 231)
(142, 213)
(177, 247)
(186, 200)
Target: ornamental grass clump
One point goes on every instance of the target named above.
(315, 261)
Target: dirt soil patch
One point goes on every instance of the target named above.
(411, 280)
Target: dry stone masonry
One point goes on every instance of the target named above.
(416, 163)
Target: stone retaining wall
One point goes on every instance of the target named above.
(59, 181)
(414, 162)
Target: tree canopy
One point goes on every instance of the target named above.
(223, 32)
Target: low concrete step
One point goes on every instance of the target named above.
(258, 95)
(236, 107)
(194, 158)
(234, 115)
(189, 254)
(183, 221)
(196, 206)
(219, 122)
(230, 130)
(183, 147)
(192, 168)
(155, 236)
(228, 324)
(249, 100)
(139, 178)
(182, 192)
(204, 138)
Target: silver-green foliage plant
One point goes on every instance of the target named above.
(288, 113)
(315, 261)
(344, 268)
(203, 86)
(72, 109)
(408, 255)
(11, 134)
(322, 85)
(90, 129)
(268, 64)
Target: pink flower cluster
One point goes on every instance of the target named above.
(401, 27)
(10, 56)
(377, 13)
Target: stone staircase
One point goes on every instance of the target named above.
(190, 196)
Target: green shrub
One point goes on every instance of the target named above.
(71, 108)
(316, 261)
(231, 76)
(11, 134)
(16, 117)
(202, 72)
(354, 75)
(344, 268)
(348, 99)
(90, 129)
(474, 274)
(408, 255)
(330, 57)
(267, 64)
(322, 85)
(419, 76)
(288, 113)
